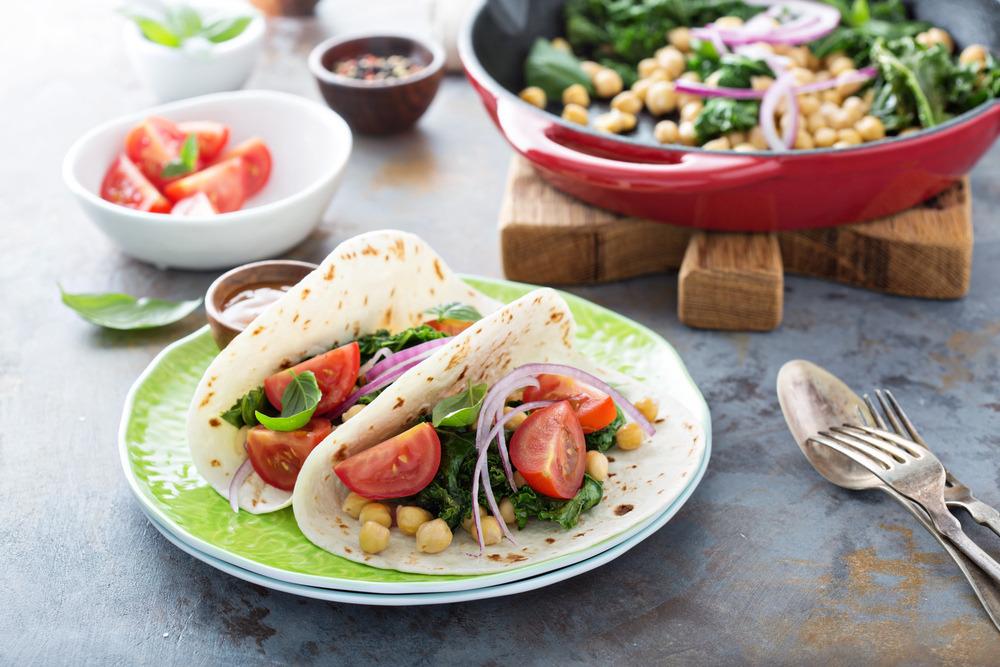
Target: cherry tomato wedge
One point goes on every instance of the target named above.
(449, 326)
(336, 373)
(124, 184)
(222, 183)
(594, 408)
(548, 449)
(257, 159)
(277, 456)
(152, 144)
(400, 466)
(212, 137)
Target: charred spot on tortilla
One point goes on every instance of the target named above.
(366, 300)
(437, 269)
(216, 463)
(611, 474)
(555, 316)
(214, 423)
(208, 397)
(368, 250)
(305, 325)
(430, 378)
(623, 509)
(461, 375)
(387, 316)
(348, 550)
(305, 293)
(295, 319)
(339, 455)
(494, 557)
(611, 459)
(211, 381)
(515, 558)
(550, 540)
(257, 330)
(400, 401)
(253, 502)
(330, 271)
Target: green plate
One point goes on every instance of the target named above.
(158, 466)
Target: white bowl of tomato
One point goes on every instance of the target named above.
(212, 181)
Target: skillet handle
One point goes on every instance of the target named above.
(531, 133)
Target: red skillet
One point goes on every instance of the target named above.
(758, 191)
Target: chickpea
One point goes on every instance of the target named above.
(608, 122)
(507, 511)
(714, 78)
(804, 140)
(433, 537)
(802, 76)
(693, 77)
(744, 148)
(936, 36)
(574, 113)
(672, 61)
(815, 121)
(648, 406)
(659, 75)
(353, 504)
(824, 75)
(855, 106)
(973, 53)
(734, 138)
(757, 138)
(781, 49)
(627, 102)
(830, 96)
(720, 144)
(519, 480)
(646, 67)
(374, 537)
(870, 128)
(534, 96)
(410, 518)
(666, 132)
(686, 133)
(661, 98)
(576, 94)
(515, 422)
(808, 104)
(641, 87)
(376, 512)
(468, 522)
(680, 39)
(799, 56)
(824, 137)
(691, 110)
(850, 135)
(842, 144)
(608, 83)
(848, 88)
(761, 82)
(590, 68)
(352, 412)
(788, 119)
(627, 121)
(728, 22)
(562, 45)
(597, 465)
(839, 64)
(491, 531)
(629, 436)
(812, 62)
(841, 119)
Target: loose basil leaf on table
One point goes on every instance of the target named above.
(459, 410)
(455, 311)
(186, 162)
(224, 30)
(553, 70)
(298, 403)
(125, 312)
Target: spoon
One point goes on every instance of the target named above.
(813, 399)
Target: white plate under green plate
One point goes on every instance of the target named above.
(158, 465)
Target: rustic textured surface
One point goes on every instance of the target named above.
(766, 564)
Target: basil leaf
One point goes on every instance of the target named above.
(155, 31)
(455, 311)
(125, 312)
(243, 411)
(298, 403)
(224, 30)
(186, 162)
(183, 21)
(459, 410)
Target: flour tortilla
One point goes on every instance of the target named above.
(536, 328)
(379, 280)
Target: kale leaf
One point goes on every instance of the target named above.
(553, 70)
(604, 439)
(862, 24)
(373, 342)
(722, 115)
(528, 504)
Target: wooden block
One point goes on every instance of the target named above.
(549, 237)
(731, 282)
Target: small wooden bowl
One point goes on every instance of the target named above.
(383, 107)
(226, 286)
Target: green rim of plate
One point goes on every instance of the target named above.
(158, 464)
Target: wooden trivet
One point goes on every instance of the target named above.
(728, 280)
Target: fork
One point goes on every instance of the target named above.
(912, 471)
(956, 494)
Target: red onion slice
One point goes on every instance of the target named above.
(813, 21)
(863, 74)
(768, 107)
(382, 381)
(239, 477)
(791, 129)
(705, 90)
(481, 472)
(367, 366)
(710, 34)
(397, 358)
(493, 404)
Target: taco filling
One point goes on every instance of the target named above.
(296, 408)
(531, 447)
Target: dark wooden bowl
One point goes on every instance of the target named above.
(382, 107)
(226, 286)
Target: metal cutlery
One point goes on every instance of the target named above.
(914, 472)
(956, 494)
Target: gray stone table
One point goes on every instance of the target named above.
(767, 563)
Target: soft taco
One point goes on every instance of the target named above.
(506, 447)
(377, 305)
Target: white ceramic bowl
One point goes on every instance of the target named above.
(309, 146)
(176, 73)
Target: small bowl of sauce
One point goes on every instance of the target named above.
(238, 296)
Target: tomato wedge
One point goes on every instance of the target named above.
(152, 144)
(124, 184)
(398, 467)
(222, 183)
(449, 326)
(336, 373)
(594, 408)
(548, 449)
(277, 456)
(257, 159)
(212, 137)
